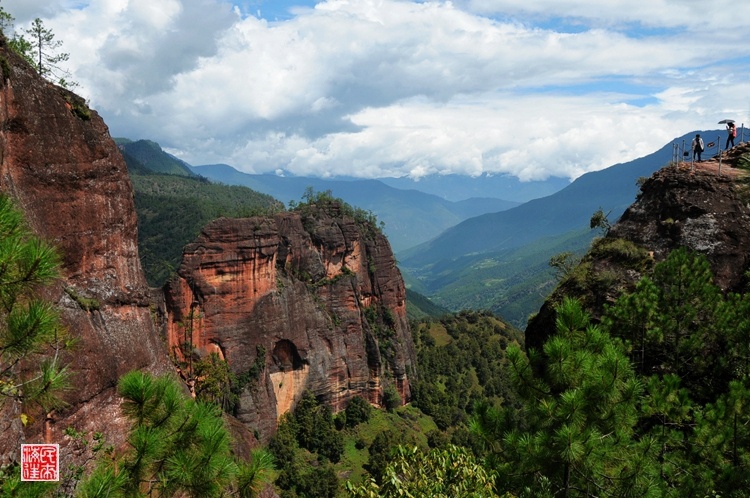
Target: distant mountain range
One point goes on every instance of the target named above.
(411, 217)
(413, 211)
(499, 261)
(461, 187)
(612, 189)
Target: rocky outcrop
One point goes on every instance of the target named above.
(704, 207)
(61, 167)
(313, 301)
(700, 209)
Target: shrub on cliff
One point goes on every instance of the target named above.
(314, 203)
(357, 411)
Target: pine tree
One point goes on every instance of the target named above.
(43, 51)
(733, 322)
(315, 428)
(32, 375)
(178, 447)
(579, 415)
(721, 440)
(690, 343)
(675, 324)
(31, 335)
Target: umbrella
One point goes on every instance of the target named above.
(725, 121)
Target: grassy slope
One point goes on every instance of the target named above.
(408, 421)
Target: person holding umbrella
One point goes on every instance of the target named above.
(731, 131)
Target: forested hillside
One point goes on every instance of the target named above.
(512, 283)
(150, 154)
(462, 362)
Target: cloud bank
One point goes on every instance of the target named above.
(376, 88)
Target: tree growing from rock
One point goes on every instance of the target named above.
(44, 53)
(40, 49)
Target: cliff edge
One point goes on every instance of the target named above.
(704, 207)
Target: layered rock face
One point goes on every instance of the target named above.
(65, 172)
(703, 207)
(315, 300)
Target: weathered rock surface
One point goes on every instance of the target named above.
(318, 296)
(68, 176)
(704, 207)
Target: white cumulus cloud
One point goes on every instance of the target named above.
(375, 88)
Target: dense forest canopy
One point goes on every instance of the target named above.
(651, 401)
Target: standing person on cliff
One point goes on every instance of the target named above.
(731, 133)
(697, 147)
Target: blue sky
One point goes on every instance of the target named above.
(376, 88)
(274, 10)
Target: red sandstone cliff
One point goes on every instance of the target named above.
(319, 295)
(65, 172)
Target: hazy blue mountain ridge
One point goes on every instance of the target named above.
(459, 187)
(410, 216)
(612, 189)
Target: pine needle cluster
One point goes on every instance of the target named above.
(178, 447)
